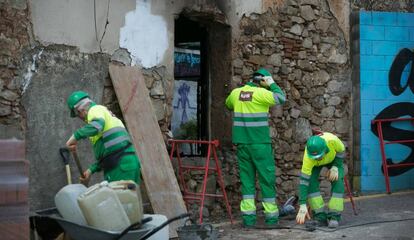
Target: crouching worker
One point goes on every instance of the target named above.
(325, 150)
(114, 152)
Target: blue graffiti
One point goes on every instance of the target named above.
(183, 100)
(397, 110)
(192, 59)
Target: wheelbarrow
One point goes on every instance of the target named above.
(137, 231)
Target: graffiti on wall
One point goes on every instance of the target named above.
(402, 109)
(186, 63)
(386, 78)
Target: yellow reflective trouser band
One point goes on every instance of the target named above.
(247, 207)
(336, 204)
(316, 202)
(270, 209)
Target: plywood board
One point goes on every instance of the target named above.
(157, 171)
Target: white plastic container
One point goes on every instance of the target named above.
(67, 204)
(157, 220)
(129, 195)
(102, 209)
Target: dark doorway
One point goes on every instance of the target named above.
(190, 119)
(202, 72)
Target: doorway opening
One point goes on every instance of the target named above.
(202, 70)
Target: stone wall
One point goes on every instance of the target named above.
(14, 37)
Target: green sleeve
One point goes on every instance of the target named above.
(279, 95)
(304, 178)
(304, 181)
(94, 168)
(230, 102)
(90, 129)
(338, 162)
(303, 194)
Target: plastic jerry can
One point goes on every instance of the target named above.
(129, 195)
(66, 201)
(102, 209)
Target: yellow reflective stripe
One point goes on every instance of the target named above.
(270, 215)
(316, 203)
(247, 206)
(248, 212)
(250, 115)
(113, 130)
(272, 200)
(322, 209)
(340, 155)
(96, 125)
(250, 124)
(248, 196)
(116, 141)
(306, 176)
(336, 204)
(315, 194)
(270, 208)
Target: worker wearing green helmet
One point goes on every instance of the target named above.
(325, 150)
(251, 135)
(112, 146)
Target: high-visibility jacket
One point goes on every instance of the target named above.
(250, 105)
(333, 157)
(106, 132)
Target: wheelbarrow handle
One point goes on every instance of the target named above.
(153, 231)
(137, 224)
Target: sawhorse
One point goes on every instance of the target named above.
(182, 168)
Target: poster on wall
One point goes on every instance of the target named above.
(184, 116)
(186, 62)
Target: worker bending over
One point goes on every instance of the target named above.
(113, 149)
(324, 150)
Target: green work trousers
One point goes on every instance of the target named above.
(257, 158)
(128, 168)
(336, 202)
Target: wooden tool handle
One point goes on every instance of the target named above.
(68, 175)
(78, 164)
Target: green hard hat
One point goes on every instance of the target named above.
(316, 147)
(73, 99)
(263, 72)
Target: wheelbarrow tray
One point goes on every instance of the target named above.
(84, 232)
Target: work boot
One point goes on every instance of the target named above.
(316, 223)
(332, 223)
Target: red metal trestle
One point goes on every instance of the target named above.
(182, 168)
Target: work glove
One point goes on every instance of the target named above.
(333, 174)
(269, 80)
(71, 143)
(302, 214)
(87, 176)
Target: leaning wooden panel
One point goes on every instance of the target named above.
(157, 171)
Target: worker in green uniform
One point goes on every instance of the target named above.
(112, 145)
(251, 136)
(324, 150)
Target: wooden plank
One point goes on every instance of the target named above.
(159, 178)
